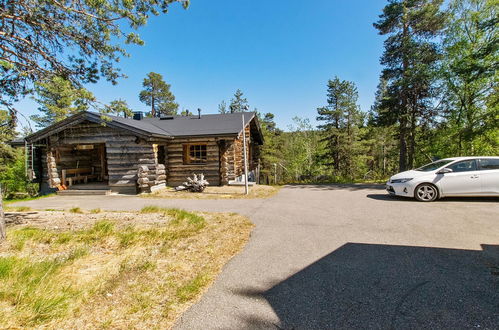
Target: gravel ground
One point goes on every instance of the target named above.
(345, 256)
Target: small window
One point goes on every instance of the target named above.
(489, 164)
(463, 166)
(195, 154)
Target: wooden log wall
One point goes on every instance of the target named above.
(231, 158)
(124, 152)
(255, 156)
(46, 186)
(224, 146)
(178, 171)
(237, 155)
(53, 176)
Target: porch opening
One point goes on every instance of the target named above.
(82, 166)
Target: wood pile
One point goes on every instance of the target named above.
(150, 180)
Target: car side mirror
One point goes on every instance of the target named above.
(445, 170)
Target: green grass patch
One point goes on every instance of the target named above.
(75, 210)
(186, 222)
(17, 209)
(151, 209)
(28, 285)
(135, 273)
(95, 211)
(20, 236)
(9, 201)
(192, 288)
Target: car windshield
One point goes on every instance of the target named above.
(433, 166)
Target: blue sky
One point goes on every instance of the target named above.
(279, 53)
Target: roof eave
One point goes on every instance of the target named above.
(254, 117)
(96, 118)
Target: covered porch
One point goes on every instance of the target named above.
(79, 166)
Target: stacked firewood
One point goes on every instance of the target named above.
(160, 174)
(194, 184)
(149, 180)
(143, 178)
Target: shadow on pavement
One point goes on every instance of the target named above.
(389, 286)
(351, 187)
(390, 198)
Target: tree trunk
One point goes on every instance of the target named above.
(412, 141)
(403, 145)
(3, 232)
(153, 110)
(404, 95)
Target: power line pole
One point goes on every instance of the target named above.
(245, 160)
(275, 173)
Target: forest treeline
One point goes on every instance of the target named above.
(438, 94)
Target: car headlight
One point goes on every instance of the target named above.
(404, 180)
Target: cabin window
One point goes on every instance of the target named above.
(195, 154)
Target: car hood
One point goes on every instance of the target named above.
(409, 174)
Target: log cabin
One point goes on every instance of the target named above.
(140, 154)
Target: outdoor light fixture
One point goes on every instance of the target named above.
(84, 147)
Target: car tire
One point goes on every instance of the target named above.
(426, 192)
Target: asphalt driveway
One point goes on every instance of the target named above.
(345, 256)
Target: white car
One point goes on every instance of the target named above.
(459, 176)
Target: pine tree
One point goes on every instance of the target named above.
(300, 147)
(79, 40)
(342, 119)
(158, 96)
(470, 72)
(379, 135)
(268, 122)
(59, 98)
(119, 108)
(270, 151)
(7, 133)
(410, 59)
(222, 107)
(238, 103)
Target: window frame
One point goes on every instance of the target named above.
(190, 159)
(480, 168)
(474, 160)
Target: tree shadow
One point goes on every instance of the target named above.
(389, 286)
(338, 186)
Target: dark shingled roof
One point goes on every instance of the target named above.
(220, 124)
(175, 126)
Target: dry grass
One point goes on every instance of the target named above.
(114, 270)
(224, 192)
(17, 208)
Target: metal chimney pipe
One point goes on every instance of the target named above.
(199, 113)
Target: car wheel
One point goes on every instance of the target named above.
(426, 192)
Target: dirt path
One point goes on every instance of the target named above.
(344, 256)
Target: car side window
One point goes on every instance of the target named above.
(463, 166)
(489, 164)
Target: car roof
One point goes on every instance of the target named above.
(470, 157)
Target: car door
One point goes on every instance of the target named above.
(489, 175)
(463, 180)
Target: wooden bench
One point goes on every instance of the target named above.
(74, 175)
